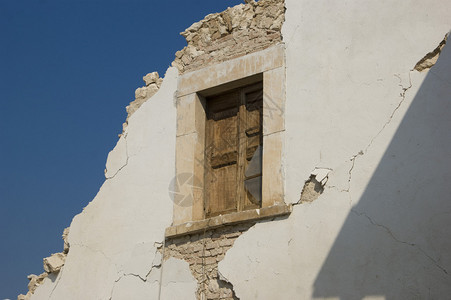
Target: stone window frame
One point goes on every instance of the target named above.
(268, 66)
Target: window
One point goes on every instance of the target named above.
(233, 153)
(230, 142)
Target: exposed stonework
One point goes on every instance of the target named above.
(312, 190)
(203, 252)
(35, 281)
(430, 59)
(142, 94)
(66, 242)
(235, 32)
(314, 186)
(54, 263)
(376, 228)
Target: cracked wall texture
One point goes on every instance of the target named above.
(356, 105)
(114, 242)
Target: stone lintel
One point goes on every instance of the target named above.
(224, 72)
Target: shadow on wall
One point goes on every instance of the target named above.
(396, 242)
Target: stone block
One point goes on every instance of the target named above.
(54, 263)
(210, 260)
(212, 245)
(274, 101)
(151, 78)
(66, 242)
(273, 172)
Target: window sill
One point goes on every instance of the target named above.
(228, 219)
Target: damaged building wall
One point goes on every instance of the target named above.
(203, 251)
(356, 106)
(366, 162)
(237, 31)
(115, 242)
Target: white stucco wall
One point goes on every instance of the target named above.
(380, 230)
(113, 242)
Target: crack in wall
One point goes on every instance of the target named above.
(353, 159)
(403, 97)
(126, 161)
(203, 252)
(392, 235)
(56, 284)
(153, 267)
(145, 279)
(433, 260)
(97, 251)
(386, 229)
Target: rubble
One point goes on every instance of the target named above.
(66, 242)
(35, 281)
(142, 94)
(54, 263)
(235, 32)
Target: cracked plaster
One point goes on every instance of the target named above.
(177, 283)
(379, 227)
(357, 94)
(116, 233)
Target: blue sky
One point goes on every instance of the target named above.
(67, 71)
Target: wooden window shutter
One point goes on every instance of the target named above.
(233, 153)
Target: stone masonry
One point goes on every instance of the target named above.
(142, 94)
(235, 32)
(203, 252)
